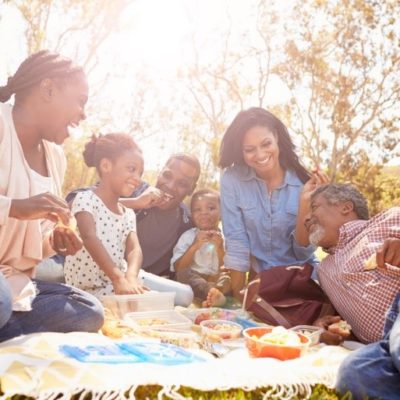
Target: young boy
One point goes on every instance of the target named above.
(198, 255)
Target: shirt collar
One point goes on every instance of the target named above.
(246, 173)
(347, 232)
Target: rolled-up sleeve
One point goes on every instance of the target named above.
(181, 246)
(237, 254)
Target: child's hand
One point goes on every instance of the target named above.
(121, 285)
(136, 286)
(202, 237)
(217, 239)
(151, 197)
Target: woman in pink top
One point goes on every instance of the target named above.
(50, 96)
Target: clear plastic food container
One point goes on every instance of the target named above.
(119, 305)
(166, 319)
(220, 329)
(310, 331)
(178, 337)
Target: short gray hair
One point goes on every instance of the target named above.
(336, 193)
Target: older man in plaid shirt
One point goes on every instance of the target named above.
(339, 222)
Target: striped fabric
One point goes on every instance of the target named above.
(362, 297)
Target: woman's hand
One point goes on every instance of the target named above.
(318, 178)
(41, 206)
(65, 241)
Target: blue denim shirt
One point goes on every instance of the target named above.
(259, 225)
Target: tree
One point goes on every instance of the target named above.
(86, 24)
(341, 67)
(380, 186)
(235, 77)
(338, 60)
(80, 33)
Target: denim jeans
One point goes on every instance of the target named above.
(374, 370)
(51, 269)
(56, 308)
(5, 301)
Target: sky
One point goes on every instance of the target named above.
(154, 38)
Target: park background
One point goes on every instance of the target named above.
(174, 73)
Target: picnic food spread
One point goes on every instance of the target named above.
(137, 354)
(35, 366)
(82, 361)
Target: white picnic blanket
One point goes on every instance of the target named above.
(32, 365)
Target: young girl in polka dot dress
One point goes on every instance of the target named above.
(111, 257)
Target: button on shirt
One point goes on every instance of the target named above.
(362, 297)
(258, 224)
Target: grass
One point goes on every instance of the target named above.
(320, 392)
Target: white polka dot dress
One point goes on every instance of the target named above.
(112, 229)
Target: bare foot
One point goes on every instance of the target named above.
(215, 298)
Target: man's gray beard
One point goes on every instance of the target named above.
(316, 235)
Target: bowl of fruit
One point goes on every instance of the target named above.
(219, 329)
(276, 342)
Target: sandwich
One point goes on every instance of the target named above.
(371, 263)
(341, 328)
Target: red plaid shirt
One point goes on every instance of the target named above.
(362, 297)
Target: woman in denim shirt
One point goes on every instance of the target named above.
(263, 197)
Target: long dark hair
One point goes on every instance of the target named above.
(231, 152)
(41, 65)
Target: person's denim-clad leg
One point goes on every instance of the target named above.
(374, 370)
(183, 293)
(56, 308)
(5, 301)
(394, 343)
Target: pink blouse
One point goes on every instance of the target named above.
(22, 243)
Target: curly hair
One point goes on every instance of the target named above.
(336, 193)
(109, 146)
